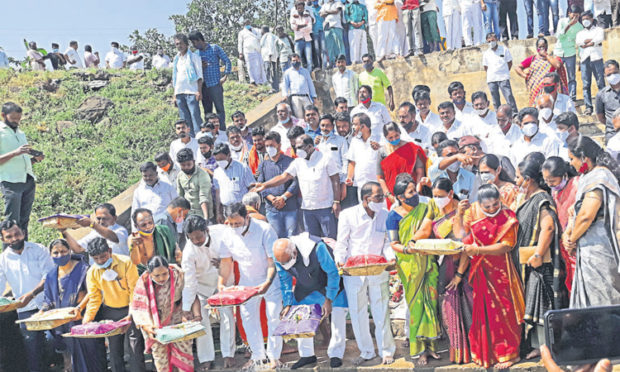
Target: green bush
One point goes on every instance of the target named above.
(86, 164)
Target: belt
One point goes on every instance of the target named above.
(299, 95)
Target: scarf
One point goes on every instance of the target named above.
(191, 74)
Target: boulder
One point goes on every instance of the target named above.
(63, 124)
(95, 85)
(93, 108)
(102, 75)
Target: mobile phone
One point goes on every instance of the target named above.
(35, 153)
(583, 336)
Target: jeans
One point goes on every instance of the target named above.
(570, 64)
(33, 341)
(504, 86)
(18, 199)
(508, 11)
(189, 110)
(491, 18)
(351, 199)
(589, 68)
(529, 16)
(319, 49)
(413, 24)
(542, 7)
(604, 20)
(283, 222)
(304, 48)
(214, 96)
(271, 72)
(320, 222)
(346, 42)
(117, 343)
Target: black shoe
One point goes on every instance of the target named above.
(335, 362)
(529, 36)
(304, 361)
(588, 111)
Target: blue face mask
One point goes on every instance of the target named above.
(395, 142)
(248, 27)
(106, 264)
(62, 260)
(54, 50)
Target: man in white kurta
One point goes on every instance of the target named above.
(361, 230)
(253, 252)
(200, 260)
(248, 46)
(452, 19)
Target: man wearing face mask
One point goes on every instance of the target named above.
(184, 140)
(56, 58)
(546, 114)
(376, 111)
(566, 33)
(194, 184)
(253, 253)
(152, 193)
(452, 164)
(590, 43)
(238, 147)
(505, 135)
(173, 218)
(298, 87)
(115, 59)
(356, 15)
(362, 156)
(151, 240)
(362, 231)
(533, 139)
(248, 46)
(111, 282)
(167, 170)
(378, 81)
(563, 103)
(456, 90)
(497, 62)
(484, 120)
(281, 201)
(24, 266)
(233, 178)
(286, 122)
(567, 131)
(411, 129)
(310, 261)
(608, 99)
(319, 180)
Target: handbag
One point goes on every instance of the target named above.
(526, 252)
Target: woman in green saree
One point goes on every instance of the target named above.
(418, 273)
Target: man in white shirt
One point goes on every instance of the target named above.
(319, 182)
(362, 155)
(332, 11)
(551, 85)
(135, 61)
(72, 56)
(152, 193)
(613, 145)
(456, 90)
(201, 258)
(424, 115)
(328, 142)
(248, 46)
(502, 140)
(497, 62)
(451, 126)
(184, 140)
(103, 225)
(91, 59)
(345, 82)
(187, 81)
(269, 52)
(167, 170)
(24, 266)
(254, 255)
(233, 178)
(533, 138)
(115, 59)
(411, 130)
(161, 60)
(483, 121)
(378, 113)
(547, 114)
(239, 149)
(590, 43)
(361, 231)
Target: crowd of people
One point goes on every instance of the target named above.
(534, 203)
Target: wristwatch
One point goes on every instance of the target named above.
(537, 255)
(284, 197)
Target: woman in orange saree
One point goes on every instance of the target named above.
(397, 157)
(495, 333)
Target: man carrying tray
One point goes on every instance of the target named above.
(256, 269)
(310, 261)
(200, 263)
(361, 231)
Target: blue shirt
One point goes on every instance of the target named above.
(233, 182)
(356, 13)
(298, 82)
(318, 20)
(267, 170)
(213, 54)
(465, 180)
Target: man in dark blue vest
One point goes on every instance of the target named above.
(311, 262)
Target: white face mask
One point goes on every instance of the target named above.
(287, 266)
(487, 177)
(359, 135)
(454, 167)
(586, 23)
(491, 215)
(271, 151)
(326, 134)
(222, 163)
(482, 112)
(376, 207)
(613, 79)
(239, 229)
(301, 153)
(442, 202)
(237, 148)
(530, 129)
(546, 113)
(563, 135)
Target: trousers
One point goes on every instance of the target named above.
(411, 17)
(204, 344)
(33, 341)
(214, 96)
(338, 340)
(189, 110)
(589, 68)
(320, 222)
(117, 343)
(358, 44)
(386, 31)
(297, 105)
(361, 292)
(471, 18)
(18, 200)
(252, 325)
(454, 31)
(504, 86)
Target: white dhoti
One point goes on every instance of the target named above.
(204, 344)
(454, 30)
(250, 316)
(373, 31)
(471, 20)
(358, 44)
(337, 343)
(361, 289)
(298, 103)
(386, 32)
(256, 70)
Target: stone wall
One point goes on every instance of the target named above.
(438, 70)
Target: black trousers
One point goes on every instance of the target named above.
(18, 199)
(214, 96)
(508, 10)
(117, 343)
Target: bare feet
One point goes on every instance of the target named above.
(424, 357)
(205, 366)
(229, 362)
(433, 355)
(248, 366)
(359, 360)
(388, 360)
(275, 364)
(533, 354)
(510, 363)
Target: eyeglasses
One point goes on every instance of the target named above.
(377, 198)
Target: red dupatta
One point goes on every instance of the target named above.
(564, 199)
(253, 159)
(402, 160)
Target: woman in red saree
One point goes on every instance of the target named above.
(398, 157)
(156, 303)
(495, 333)
(558, 176)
